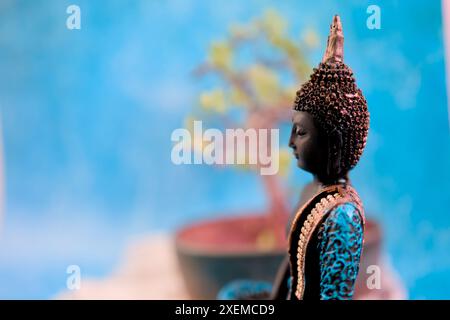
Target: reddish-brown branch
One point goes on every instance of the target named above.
(278, 213)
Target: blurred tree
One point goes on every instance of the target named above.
(259, 68)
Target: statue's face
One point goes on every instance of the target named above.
(306, 143)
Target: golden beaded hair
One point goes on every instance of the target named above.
(335, 102)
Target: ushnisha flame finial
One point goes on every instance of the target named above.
(335, 43)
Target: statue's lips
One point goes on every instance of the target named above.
(295, 155)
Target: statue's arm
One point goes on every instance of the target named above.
(340, 245)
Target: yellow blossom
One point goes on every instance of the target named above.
(213, 100)
(238, 97)
(264, 82)
(221, 55)
(273, 23)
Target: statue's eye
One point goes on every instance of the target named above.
(299, 131)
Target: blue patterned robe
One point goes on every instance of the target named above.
(331, 259)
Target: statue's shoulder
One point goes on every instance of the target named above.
(341, 209)
(347, 206)
(344, 215)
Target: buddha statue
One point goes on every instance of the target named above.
(325, 237)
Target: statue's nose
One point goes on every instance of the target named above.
(291, 143)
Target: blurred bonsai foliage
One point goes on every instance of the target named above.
(257, 69)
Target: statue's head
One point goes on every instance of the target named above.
(331, 120)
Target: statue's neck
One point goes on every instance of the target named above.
(318, 184)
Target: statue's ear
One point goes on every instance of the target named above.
(334, 154)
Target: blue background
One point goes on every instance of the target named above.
(87, 117)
